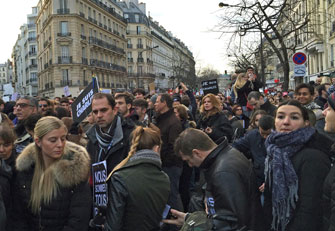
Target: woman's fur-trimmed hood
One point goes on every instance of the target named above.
(72, 169)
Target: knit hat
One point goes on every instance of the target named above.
(153, 99)
(331, 100)
(176, 98)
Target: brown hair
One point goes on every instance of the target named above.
(7, 134)
(215, 102)
(191, 139)
(234, 108)
(253, 117)
(182, 110)
(142, 138)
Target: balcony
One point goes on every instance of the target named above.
(32, 53)
(64, 34)
(33, 66)
(84, 61)
(64, 59)
(130, 60)
(46, 86)
(92, 20)
(109, 10)
(64, 83)
(31, 39)
(101, 43)
(116, 32)
(140, 46)
(46, 65)
(110, 66)
(143, 74)
(81, 14)
(50, 62)
(140, 60)
(105, 27)
(63, 11)
(130, 46)
(31, 26)
(100, 24)
(109, 29)
(149, 61)
(83, 37)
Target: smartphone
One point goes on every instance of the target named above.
(167, 212)
(180, 87)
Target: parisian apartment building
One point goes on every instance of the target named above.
(66, 42)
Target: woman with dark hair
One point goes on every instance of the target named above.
(329, 185)
(296, 165)
(213, 121)
(181, 113)
(51, 190)
(7, 169)
(138, 188)
(239, 114)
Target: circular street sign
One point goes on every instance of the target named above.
(299, 58)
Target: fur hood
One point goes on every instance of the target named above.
(72, 169)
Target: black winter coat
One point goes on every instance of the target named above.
(219, 124)
(242, 93)
(138, 193)
(252, 146)
(121, 143)
(70, 209)
(269, 108)
(231, 183)
(311, 165)
(329, 202)
(170, 128)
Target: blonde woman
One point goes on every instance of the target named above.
(242, 87)
(51, 190)
(138, 188)
(213, 121)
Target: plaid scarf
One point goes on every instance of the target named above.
(105, 139)
(279, 171)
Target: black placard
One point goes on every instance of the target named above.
(100, 196)
(210, 86)
(81, 107)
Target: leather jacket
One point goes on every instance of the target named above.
(231, 188)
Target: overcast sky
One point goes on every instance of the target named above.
(188, 20)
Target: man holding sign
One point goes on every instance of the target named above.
(108, 145)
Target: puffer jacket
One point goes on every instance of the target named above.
(329, 202)
(219, 124)
(70, 209)
(138, 193)
(231, 189)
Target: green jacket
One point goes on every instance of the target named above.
(138, 193)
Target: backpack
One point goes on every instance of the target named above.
(197, 221)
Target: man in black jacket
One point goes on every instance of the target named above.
(231, 189)
(257, 100)
(108, 141)
(170, 128)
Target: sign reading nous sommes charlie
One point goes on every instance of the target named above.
(81, 107)
(210, 86)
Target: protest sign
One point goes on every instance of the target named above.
(81, 107)
(152, 88)
(100, 197)
(67, 91)
(210, 86)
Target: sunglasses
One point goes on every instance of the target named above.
(43, 105)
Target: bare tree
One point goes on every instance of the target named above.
(183, 68)
(280, 22)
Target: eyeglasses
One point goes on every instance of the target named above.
(22, 105)
(43, 105)
(238, 109)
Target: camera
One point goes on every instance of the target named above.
(180, 87)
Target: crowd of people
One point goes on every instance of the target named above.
(235, 160)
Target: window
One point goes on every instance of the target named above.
(129, 55)
(94, 14)
(63, 28)
(138, 30)
(89, 12)
(137, 18)
(83, 52)
(62, 4)
(64, 51)
(32, 34)
(140, 54)
(139, 70)
(332, 55)
(139, 41)
(130, 69)
(82, 28)
(65, 74)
